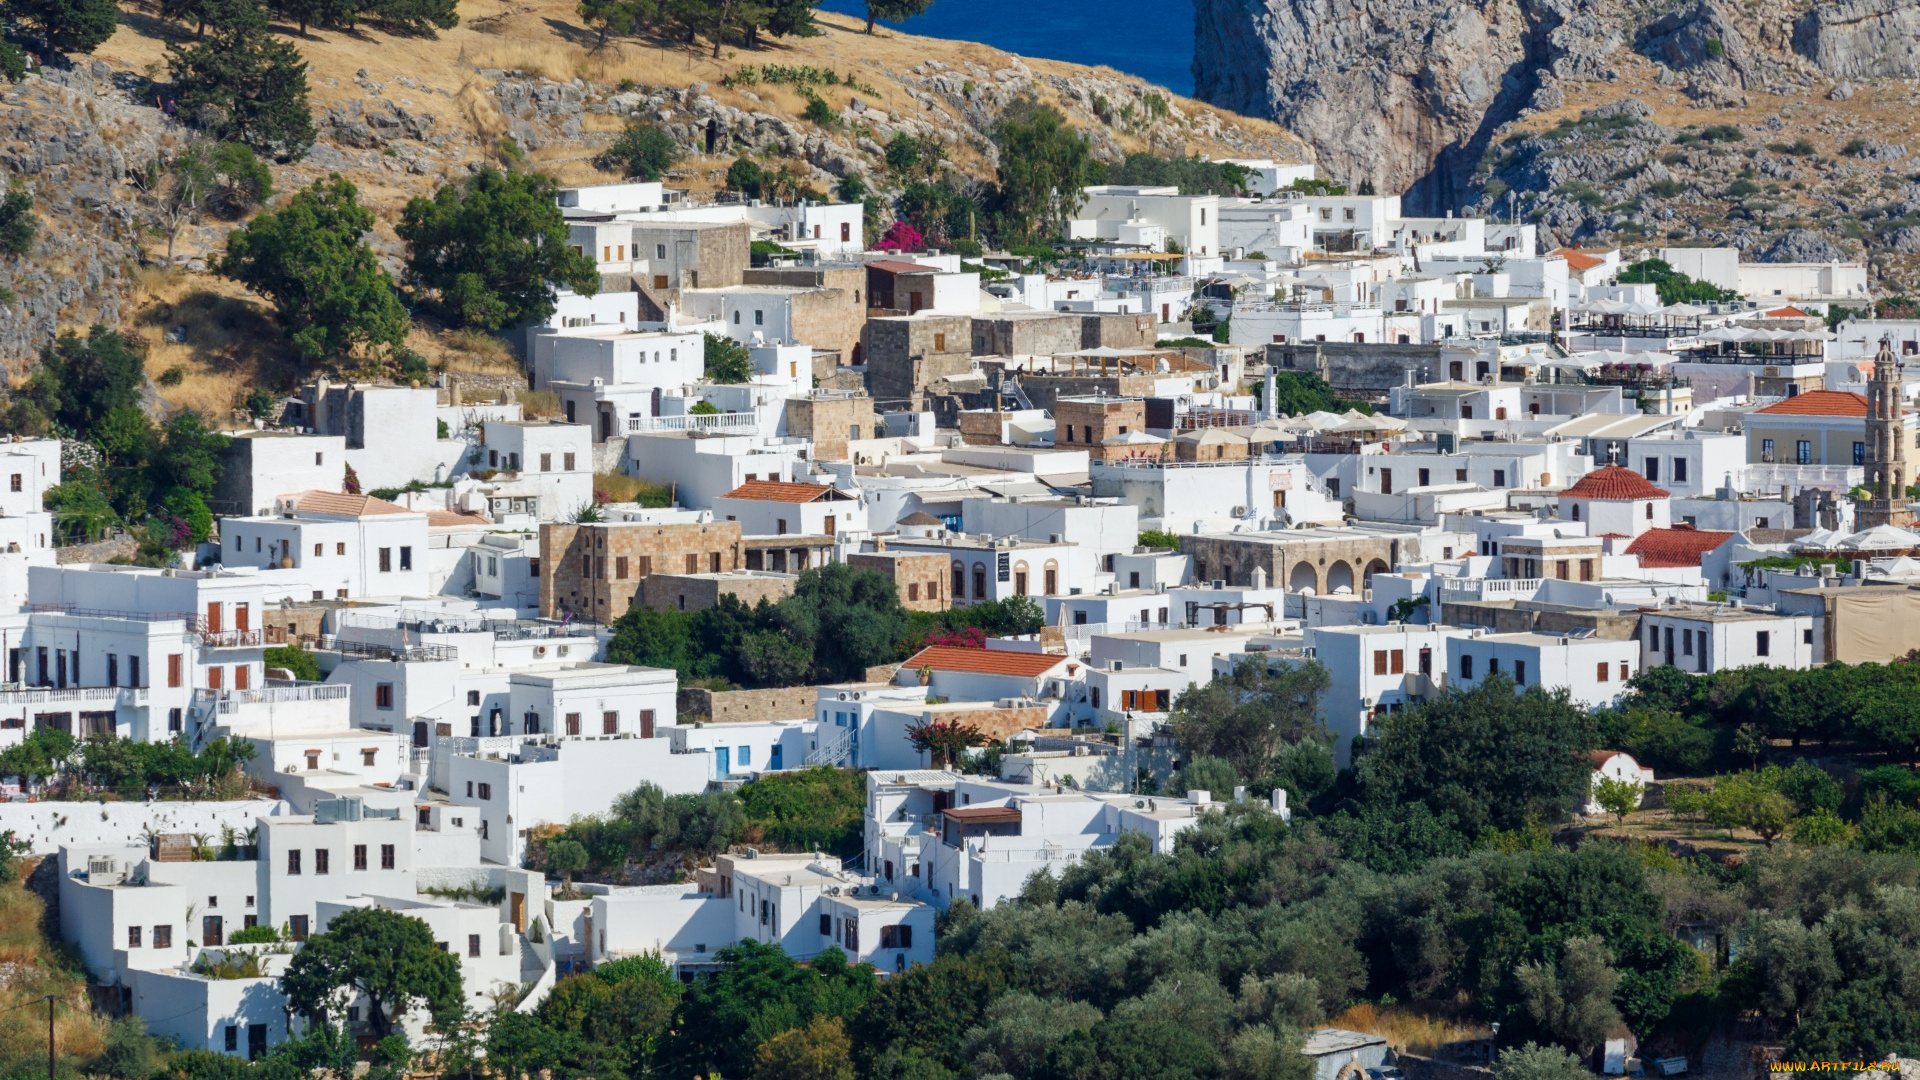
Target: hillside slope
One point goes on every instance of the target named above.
(1784, 130)
(399, 116)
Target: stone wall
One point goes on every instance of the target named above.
(745, 706)
(694, 592)
(1359, 368)
(1089, 422)
(1028, 334)
(580, 565)
(1045, 390)
(920, 579)
(904, 355)
(1322, 565)
(830, 422)
(1099, 331)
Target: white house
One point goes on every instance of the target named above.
(343, 546)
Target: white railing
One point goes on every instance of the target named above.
(745, 422)
(232, 700)
(833, 753)
(1490, 586)
(123, 695)
(1764, 477)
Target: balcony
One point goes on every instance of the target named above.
(743, 423)
(84, 695)
(368, 650)
(231, 701)
(244, 639)
(192, 620)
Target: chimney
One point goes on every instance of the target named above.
(879, 544)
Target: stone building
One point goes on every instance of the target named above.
(906, 354)
(1324, 560)
(693, 592)
(1087, 422)
(831, 418)
(831, 311)
(917, 577)
(596, 571)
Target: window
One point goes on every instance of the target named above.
(322, 861)
(293, 861)
(406, 558)
(473, 944)
(1653, 469)
(133, 671)
(1466, 666)
(386, 560)
(486, 791)
(1649, 511)
(1623, 671)
(473, 697)
(16, 481)
(546, 462)
(609, 723)
(233, 1039)
(133, 937)
(173, 669)
(163, 937)
(1859, 453)
(1499, 478)
(1380, 662)
(566, 460)
(1803, 452)
(1763, 643)
(1679, 470)
(1766, 450)
(340, 548)
(896, 937)
(826, 925)
(367, 756)
(1519, 673)
(1600, 671)
(383, 695)
(359, 856)
(113, 669)
(386, 856)
(297, 927)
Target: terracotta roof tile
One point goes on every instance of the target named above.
(1788, 312)
(780, 491)
(983, 661)
(455, 517)
(896, 266)
(1820, 403)
(1676, 547)
(334, 502)
(1578, 261)
(1613, 483)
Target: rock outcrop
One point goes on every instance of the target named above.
(1862, 39)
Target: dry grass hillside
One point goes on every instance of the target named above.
(527, 73)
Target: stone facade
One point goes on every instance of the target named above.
(831, 419)
(918, 578)
(829, 315)
(700, 254)
(595, 571)
(745, 706)
(1036, 333)
(907, 354)
(693, 592)
(998, 725)
(1297, 561)
(1087, 422)
(981, 427)
(1100, 330)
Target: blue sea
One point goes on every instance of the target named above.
(1149, 38)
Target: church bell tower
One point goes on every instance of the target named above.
(1887, 476)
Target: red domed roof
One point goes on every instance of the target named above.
(1613, 483)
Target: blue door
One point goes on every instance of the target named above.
(723, 760)
(773, 757)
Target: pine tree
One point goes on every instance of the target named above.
(69, 26)
(244, 85)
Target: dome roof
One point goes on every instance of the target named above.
(1613, 483)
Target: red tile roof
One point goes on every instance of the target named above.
(456, 517)
(333, 502)
(1820, 403)
(1675, 547)
(983, 661)
(781, 491)
(1788, 312)
(1613, 483)
(1578, 261)
(895, 266)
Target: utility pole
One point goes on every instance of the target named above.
(50, 1037)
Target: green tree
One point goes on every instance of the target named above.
(493, 248)
(1252, 716)
(295, 660)
(652, 637)
(944, 741)
(1748, 801)
(420, 17)
(389, 958)
(1488, 756)
(13, 62)
(68, 26)
(1673, 286)
(308, 258)
(903, 153)
(241, 181)
(746, 177)
(244, 85)
(643, 150)
(616, 18)
(1572, 1001)
(187, 183)
(80, 382)
(1616, 796)
(819, 1051)
(759, 993)
(18, 226)
(567, 857)
(1043, 166)
(727, 361)
(1536, 1062)
(895, 10)
(1258, 1052)
(329, 14)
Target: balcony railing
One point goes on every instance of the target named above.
(231, 701)
(744, 422)
(192, 620)
(369, 650)
(43, 695)
(240, 639)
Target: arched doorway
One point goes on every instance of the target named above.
(1339, 576)
(1377, 566)
(1302, 577)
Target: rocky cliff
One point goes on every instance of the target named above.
(1428, 96)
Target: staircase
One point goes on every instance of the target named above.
(837, 753)
(200, 719)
